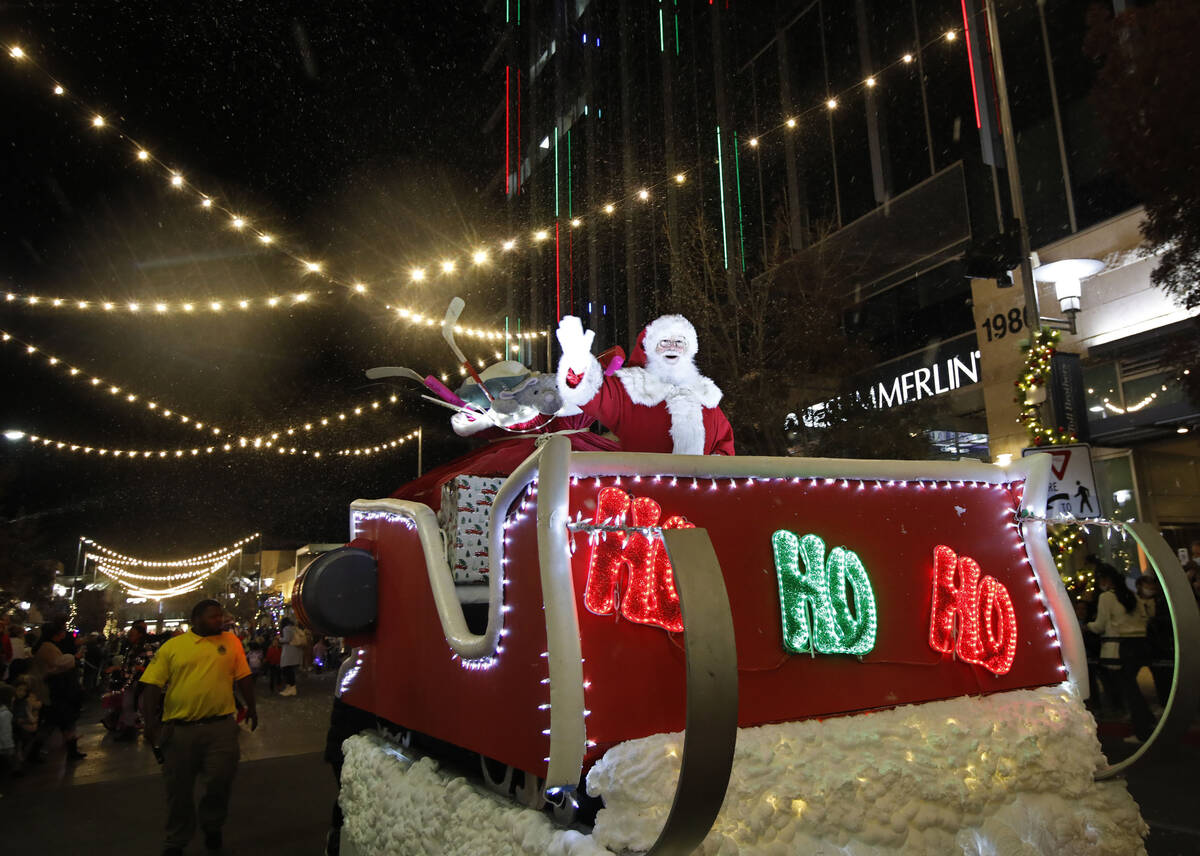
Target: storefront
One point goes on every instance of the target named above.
(1144, 431)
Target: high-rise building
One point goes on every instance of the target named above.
(864, 132)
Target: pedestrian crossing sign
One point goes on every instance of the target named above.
(1072, 480)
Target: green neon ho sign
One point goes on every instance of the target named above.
(827, 602)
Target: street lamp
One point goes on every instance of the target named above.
(1066, 276)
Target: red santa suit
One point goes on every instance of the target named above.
(659, 402)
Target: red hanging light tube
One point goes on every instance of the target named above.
(971, 63)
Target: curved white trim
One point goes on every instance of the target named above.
(1035, 469)
(753, 466)
(568, 736)
(468, 645)
(548, 467)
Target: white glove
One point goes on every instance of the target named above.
(575, 343)
(579, 375)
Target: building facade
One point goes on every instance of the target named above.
(862, 131)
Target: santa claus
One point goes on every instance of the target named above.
(658, 402)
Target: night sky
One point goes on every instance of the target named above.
(348, 130)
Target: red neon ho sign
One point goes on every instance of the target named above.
(971, 616)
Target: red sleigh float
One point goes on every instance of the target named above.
(936, 584)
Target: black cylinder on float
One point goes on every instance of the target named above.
(336, 595)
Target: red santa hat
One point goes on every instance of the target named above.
(664, 327)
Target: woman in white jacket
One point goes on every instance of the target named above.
(290, 658)
(1121, 620)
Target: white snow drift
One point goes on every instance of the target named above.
(1002, 775)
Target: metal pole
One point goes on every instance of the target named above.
(77, 572)
(420, 449)
(1058, 128)
(1033, 311)
(924, 98)
(837, 193)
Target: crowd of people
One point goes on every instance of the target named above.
(47, 673)
(1127, 629)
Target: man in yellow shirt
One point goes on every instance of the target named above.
(197, 733)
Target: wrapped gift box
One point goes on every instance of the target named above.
(465, 515)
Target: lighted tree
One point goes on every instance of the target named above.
(1144, 95)
(776, 343)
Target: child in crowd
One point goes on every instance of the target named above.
(320, 654)
(274, 653)
(8, 753)
(254, 658)
(26, 716)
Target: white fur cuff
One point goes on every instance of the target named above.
(585, 389)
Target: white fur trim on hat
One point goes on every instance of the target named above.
(671, 327)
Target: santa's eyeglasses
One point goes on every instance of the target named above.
(670, 345)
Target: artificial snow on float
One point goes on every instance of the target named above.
(1010, 774)
(395, 806)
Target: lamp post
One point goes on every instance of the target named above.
(1066, 276)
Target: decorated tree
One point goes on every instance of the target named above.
(777, 343)
(1143, 94)
(1031, 390)
(1146, 82)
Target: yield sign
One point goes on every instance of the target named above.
(1061, 459)
(1072, 487)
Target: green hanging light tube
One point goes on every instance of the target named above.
(737, 176)
(721, 184)
(676, 27)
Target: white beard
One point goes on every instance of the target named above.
(685, 391)
(682, 372)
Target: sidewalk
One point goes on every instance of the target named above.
(113, 802)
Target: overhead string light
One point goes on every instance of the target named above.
(380, 447)
(198, 559)
(532, 238)
(155, 307)
(158, 454)
(135, 589)
(649, 192)
(119, 392)
(242, 444)
(238, 221)
(190, 574)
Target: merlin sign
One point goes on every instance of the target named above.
(929, 373)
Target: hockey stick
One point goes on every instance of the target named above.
(453, 311)
(431, 383)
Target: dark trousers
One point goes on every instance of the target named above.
(1135, 653)
(273, 672)
(208, 750)
(289, 675)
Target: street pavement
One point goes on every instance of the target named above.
(113, 802)
(1166, 788)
